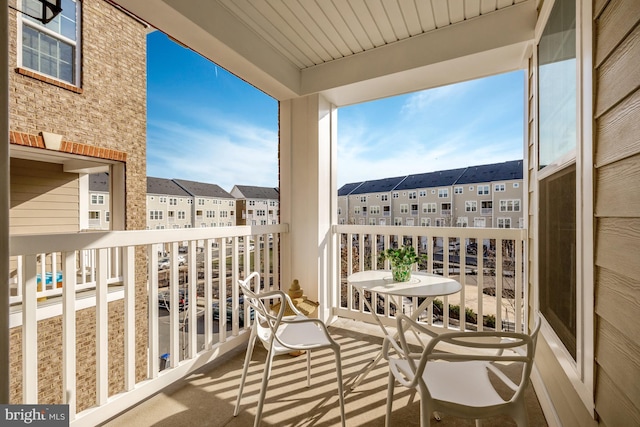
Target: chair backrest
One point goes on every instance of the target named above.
(266, 323)
(465, 346)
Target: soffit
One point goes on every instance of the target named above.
(348, 49)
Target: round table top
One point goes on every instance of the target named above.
(421, 284)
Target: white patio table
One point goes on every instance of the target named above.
(421, 285)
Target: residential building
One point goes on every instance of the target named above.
(256, 205)
(581, 159)
(99, 202)
(168, 205)
(77, 107)
(462, 197)
(212, 206)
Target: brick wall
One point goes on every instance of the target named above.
(108, 110)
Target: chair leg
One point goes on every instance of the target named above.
(245, 368)
(340, 385)
(308, 368)
(263, 387)
(390, 388)
(425, 411)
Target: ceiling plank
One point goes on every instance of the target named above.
(368, 23)
(411, 18)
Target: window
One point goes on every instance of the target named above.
(173, 201)
(498, 187)
(384, 197)
(462, 221)
(404, 208)
(260, 212)
(423, 193)
(155, 215)
(440, 222)
(504, 222)
(94, 215)
(487, 207)
(363, 199)
(445, 208)
(425, 222)
(479, 222)
(163, 200)
(413, 195)
(356, 210)
(471, 206)
(198, 214)
(414, 209)
(181, 215)
(372, 221)
(51, 49)
(483, 190)
(374, 210)
(225, 214)
(97, 199)
(397, 221)
(395, 195)
(200, 202)
(510, 205)
(443, 193)
(457, 190)
(429, 208)
(106, 216)
(171, 215)
(189, 201)
(211, 214)
(232, 203)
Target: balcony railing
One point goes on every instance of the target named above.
(487, 262)
(101, 275)
(90, 271)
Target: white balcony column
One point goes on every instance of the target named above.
(308, 197)
(4, 206)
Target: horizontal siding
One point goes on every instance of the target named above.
(44, 198)
(619, 75)
(616, 21)
(618, 245)
(618, 188)
(614, 407)
(618, 131)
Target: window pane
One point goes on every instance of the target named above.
(557, 83)
(557, 268)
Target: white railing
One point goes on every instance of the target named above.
(488, 262)
(207, 281)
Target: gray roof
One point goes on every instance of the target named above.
(202, 189)
(164, 186)
(378, 185)
(493, 172)
(431, 179)
(473, 174)
(253, 192)
(99, 182)
(348, 188)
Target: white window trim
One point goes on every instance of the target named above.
(76, 44)
(581, 371)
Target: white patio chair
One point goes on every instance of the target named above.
(458, 382)
(281, 335)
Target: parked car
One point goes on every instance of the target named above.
(164, 298)
(216, 310)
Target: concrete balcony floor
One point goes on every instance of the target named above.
(207, 398)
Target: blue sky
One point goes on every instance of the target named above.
(204, 124)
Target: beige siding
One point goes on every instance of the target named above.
(44, 199)
(617, 210)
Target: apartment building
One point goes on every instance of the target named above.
(99, 201)
(256, 205)
(212, 206)
(168, 205)
(463, 197)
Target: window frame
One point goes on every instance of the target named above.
(23, 20)
(580, 372)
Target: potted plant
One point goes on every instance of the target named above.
(401, 260)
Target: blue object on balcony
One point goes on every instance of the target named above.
(48, 278)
